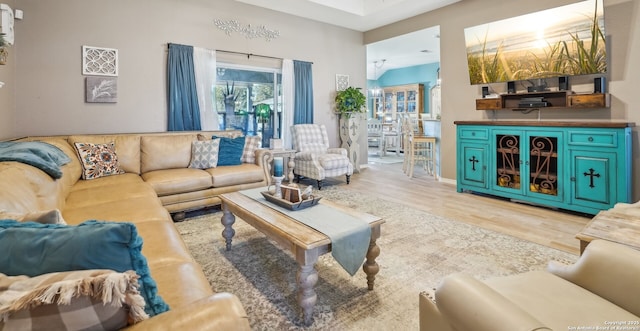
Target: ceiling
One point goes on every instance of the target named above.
(360, 15)
(420, 47)
(415, 48)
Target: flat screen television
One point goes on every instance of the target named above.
(562, 41)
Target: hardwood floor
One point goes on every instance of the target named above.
(541, 225)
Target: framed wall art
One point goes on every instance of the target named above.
(101, 90)
(99, 61)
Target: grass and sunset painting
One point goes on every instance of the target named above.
(567, 40)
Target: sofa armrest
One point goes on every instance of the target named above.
(337, 150)
(221, 311)
(607, 269)
(263, 159)
(469, 304)
(430, 317)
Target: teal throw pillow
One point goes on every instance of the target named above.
(230, 152)
(34, 249)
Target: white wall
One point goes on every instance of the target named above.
(7, 93)
(50, 87)
(622, 26)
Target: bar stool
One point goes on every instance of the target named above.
(418, 148)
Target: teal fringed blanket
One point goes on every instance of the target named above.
(41, 155)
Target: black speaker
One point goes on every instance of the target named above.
(511, 87)
(598, 85)
(563, 83)
(485, 91)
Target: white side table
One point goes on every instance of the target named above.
(288, 166)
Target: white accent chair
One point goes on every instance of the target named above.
(314, 159)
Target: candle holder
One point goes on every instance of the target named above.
(278, 183)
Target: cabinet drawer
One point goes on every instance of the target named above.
(594, 139)
(473, 133)
(488, 104)
(589, 100)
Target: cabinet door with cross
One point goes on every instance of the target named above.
(599, 172)
(592, 176)
(473, 156)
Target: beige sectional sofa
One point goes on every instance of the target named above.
(157, 182)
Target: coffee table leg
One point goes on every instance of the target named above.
(227, 220)
(307, 278)
(370, 266)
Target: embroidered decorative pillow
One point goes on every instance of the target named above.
(204, 154)
(230, 151)
(52, 216)
(73, 300)
(98, 160)
(251, 143)
(33, 249)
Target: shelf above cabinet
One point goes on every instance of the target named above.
(545, 100)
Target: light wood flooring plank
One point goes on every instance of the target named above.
(545, 226)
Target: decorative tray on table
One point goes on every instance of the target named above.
(298, 205)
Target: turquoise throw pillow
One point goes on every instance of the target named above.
(34, 249)
(230, 152)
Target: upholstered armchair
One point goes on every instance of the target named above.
(600, 291)
(314, 159)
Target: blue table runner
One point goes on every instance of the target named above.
(349, 235)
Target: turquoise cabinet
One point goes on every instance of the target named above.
(583, 167)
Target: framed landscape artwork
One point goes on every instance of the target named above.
(562, 41)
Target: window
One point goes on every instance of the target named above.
(249, 99)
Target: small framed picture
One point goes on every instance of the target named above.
(101, 90)
(342, 82)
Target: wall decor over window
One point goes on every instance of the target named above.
(99, 61)
(102, 90)
(342, 82)
(247, 31)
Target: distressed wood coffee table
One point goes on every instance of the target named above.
(306, 243)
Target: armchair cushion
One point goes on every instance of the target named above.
(333, 161)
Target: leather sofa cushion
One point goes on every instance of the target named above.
(127, 148)
(165, 152)
(174, 181)
(109, 192)
(181, 283)
(572, 304)
(235, 175)
(162, 243)
(124, 210)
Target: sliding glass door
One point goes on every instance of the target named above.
(249, 99)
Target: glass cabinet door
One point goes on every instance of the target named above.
(400, 101)
(411, 101)
(508, 162)
(543, 165)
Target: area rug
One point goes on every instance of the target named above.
(418, 249)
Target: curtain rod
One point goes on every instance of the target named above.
(249, 55)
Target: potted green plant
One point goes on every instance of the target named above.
(350, 100)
